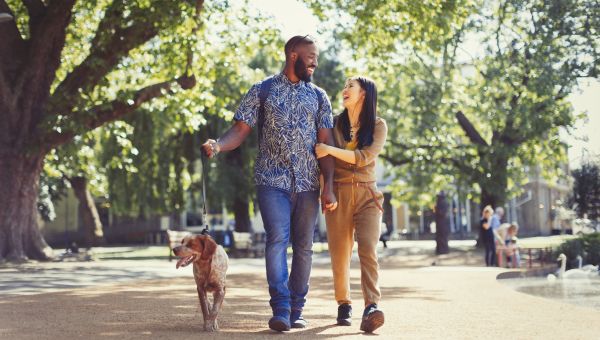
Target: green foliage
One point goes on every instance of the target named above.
(153, 156)
(586, 191)
(508, 66)
(330, 76)
(586, 246)
(379, 28)
(147, 163)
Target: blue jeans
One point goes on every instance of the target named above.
(288, 216)
(490, 252)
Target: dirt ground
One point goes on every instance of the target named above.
(453, 299)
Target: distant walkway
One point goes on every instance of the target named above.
(45, 277)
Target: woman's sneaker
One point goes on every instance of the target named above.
(344, 317)
(372, 319)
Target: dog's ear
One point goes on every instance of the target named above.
(210, 246)
(194, 243)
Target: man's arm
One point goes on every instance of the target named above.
(327, 163)
(230, 140)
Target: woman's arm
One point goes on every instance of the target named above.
(369, 153)
(323, 150)
(361, 157)
(485, 223)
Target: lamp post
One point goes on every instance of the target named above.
(5, 17)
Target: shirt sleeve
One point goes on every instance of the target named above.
(324, 116)
(495, 223)
(247, 112)
(368, 154)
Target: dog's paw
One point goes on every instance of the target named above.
(211, 326)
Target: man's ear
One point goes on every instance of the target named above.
(210, 246)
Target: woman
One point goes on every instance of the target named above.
(487, 236)
(359, 137)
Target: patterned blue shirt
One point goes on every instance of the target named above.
(286, 158)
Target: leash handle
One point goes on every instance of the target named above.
(204, 213)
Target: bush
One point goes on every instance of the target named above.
(591, 245)
(588, 246)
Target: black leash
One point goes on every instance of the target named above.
(204, 214)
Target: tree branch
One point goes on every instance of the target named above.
(13, 47)
(107, 51)
(9, 29)
(470, 130)
(501, 16)
(99, 115)
(395, 161)
(423, 146)
(425, 65)
(42, 59)
(36, 10)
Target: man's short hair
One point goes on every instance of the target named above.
(296, 41)
(499, 210)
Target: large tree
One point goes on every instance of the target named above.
(477, 97)
(41, 109)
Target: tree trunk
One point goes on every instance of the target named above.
(241, 202)
(442, 224)
(493, 188)
(488, 198)
(241, 214)
(20, 236)
(92, 226)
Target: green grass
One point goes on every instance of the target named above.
(544, 241)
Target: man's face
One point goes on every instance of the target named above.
(306, 61)
(500, 212)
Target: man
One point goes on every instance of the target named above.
(294, 117)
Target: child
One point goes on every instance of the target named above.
(512, 249)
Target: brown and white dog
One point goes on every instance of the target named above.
(210, 268)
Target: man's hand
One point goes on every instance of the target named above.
(328, 200)
(211, 148)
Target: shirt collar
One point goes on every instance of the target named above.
(287, 81)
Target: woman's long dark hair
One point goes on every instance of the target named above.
(367, 114)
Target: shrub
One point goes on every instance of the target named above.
(591, 245)
(588, 246)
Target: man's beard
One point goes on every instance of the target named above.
(301, 70)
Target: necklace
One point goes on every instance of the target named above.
(353, 130)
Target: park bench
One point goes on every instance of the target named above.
(248, 244)
(543, 255)
(174, 238)
(529, 255)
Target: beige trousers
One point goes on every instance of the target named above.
(358, 215)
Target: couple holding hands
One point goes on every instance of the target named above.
(299, 140)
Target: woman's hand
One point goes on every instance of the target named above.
(321, 150)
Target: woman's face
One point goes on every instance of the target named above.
(353, 94)
(487, 214)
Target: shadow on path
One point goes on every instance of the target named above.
(169, 309)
